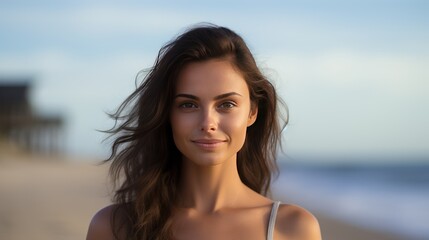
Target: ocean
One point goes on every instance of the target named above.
(387, 197)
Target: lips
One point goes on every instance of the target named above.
(208, 143)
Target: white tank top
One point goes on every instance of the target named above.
(272, 220)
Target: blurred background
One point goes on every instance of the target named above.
(354, 75)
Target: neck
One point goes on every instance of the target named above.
(209, 188)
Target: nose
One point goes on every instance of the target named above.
(208, 121)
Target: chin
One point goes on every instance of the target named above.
(206, 161)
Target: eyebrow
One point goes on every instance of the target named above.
(225, 95)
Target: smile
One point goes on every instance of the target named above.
(208, 143)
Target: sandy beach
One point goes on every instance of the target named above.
(50, 198)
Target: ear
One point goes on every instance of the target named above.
(252, 115)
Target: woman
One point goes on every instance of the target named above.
(195, 149)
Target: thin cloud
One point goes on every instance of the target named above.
(110, 20)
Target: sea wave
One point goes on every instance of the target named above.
(390, 198)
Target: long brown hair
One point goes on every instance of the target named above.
(145, 163)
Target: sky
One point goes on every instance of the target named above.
(354, 74)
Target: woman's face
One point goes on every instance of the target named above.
(211, 112)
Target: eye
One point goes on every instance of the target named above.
(187, 105)
(227, 105)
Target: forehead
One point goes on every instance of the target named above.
(210, 78)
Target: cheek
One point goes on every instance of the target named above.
(237, 128)
(180, 124)
(177, 131)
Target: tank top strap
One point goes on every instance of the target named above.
(272, 220)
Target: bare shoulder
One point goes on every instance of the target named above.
(294, 222)
(100, 226)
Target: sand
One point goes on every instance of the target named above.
(49, 199)
(54, 198)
